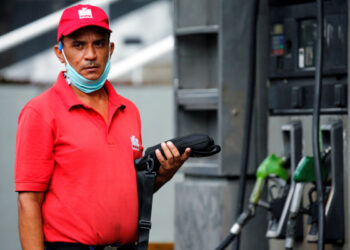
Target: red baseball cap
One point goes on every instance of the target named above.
(79, 16)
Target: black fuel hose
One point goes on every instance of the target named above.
(228, 239)
(248, 120)
(316, 125)
(237, 226)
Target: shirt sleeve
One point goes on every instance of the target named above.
(34, 152)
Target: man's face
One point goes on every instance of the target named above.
(87, 49)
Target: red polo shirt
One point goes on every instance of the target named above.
(85, 166)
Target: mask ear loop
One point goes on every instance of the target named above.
(60, 48)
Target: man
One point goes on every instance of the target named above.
(76, 144)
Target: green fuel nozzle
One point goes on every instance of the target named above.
(272, 165)
(305, 171)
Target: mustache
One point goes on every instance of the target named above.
(91, 64)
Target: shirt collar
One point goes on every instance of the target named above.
(70, 99)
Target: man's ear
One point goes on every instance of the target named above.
(111, 49)
(59, 54)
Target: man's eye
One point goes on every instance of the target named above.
(99, 43)
(77, 45)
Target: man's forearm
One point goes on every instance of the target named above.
(30, 221)
(159, 182)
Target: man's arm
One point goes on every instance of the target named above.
(30, 220)
(170, 165)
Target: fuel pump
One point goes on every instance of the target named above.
(292, 57)
(300, 68)
(274, 170)
(332, 137)
(271, 168)
(280, 203)
(332, 177)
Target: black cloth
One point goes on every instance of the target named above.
(201, 145)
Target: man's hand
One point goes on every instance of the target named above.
(170, 164)
(30, 220)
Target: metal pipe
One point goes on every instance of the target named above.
(142, 57)
(248, 121)
(316, 125)
(38, 27)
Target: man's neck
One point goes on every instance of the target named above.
(98, 100)
(90, 98)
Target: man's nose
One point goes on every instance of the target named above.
(90, 53)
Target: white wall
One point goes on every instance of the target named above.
(12, 99)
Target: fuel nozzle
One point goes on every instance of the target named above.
(305, 171)
(271, 166)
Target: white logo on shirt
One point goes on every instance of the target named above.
(85, 13)
(135, 143)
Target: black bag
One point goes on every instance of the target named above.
(147, 168)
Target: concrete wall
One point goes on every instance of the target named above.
(12, 99)
(155, 104)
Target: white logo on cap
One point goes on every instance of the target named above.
(84, 13)
(135, 143)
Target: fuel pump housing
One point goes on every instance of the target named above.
(292, 51)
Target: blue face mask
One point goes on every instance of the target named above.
(80, 82)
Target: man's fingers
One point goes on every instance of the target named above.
(174, 151)
(168, 155)
(186, 154)
(160, 157)
(172, 157)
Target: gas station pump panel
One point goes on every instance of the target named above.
(293, 32)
